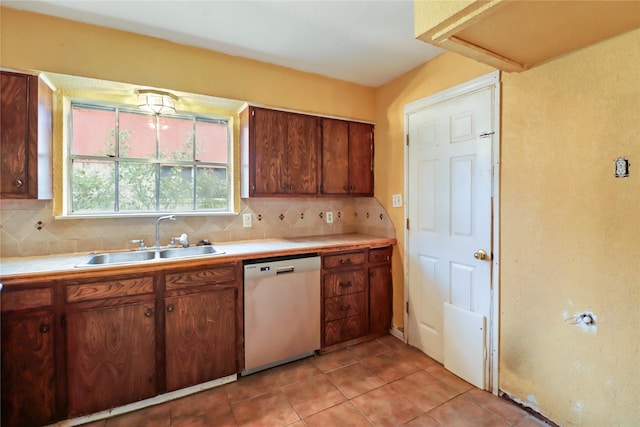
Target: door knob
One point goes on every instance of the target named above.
(480, 254)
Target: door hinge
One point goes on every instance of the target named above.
(407, 306)
(63, 321)
(407, 139)
(407, 223)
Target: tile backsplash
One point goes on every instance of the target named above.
(28, 228)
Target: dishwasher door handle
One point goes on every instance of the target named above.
(285, 270)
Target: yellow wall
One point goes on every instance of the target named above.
(570, 231)
(39, 42)
(571, 235)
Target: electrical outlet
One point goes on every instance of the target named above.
(329, 217)
(396, 200)
(246, 220)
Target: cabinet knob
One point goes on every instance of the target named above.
(44, 329)
(345, 261)
(346, 307)
(345, 285)
(345, 188)
(352, 187)
(170, 308)
(148, 312)
(18, 183)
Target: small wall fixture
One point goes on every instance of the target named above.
(156, 102)
(622, 167)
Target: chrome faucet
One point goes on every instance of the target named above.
(170, 218)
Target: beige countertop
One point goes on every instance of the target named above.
(42, 266)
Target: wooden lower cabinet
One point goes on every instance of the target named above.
(72, 347)
(356, 295)
(111, 356)
(201, 335)
(380, 299)
(28, 369)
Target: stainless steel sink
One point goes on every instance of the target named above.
(135, 257)
(117, 258)
(187, 252)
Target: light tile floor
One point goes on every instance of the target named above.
(381, 383)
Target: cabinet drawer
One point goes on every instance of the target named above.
(210, 276)
(111, 289)
(344, 329)
(30, 298)
(343, 260)
(344, 306)
(344, 282)
(380, 255)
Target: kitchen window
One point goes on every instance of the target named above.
(123, 161)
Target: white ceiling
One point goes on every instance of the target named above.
(363, 41)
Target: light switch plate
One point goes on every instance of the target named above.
(396, 200)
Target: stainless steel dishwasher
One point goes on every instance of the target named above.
(281, 311)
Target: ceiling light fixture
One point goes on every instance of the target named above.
(156, 102)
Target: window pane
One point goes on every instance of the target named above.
(176, 138)
(212, 188)
(137, 135)
(211, 142)
(176, 187)
(137, 186)
(92, 186)
(93, 132)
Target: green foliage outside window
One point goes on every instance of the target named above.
(147, 186)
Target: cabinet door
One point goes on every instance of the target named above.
(25, 137)
(111, 357)
(360, 159)
(28, 396)
(335, 157)
(14, 133)
(380, 296)
(302, 154)
(269, 135)
(200, 337)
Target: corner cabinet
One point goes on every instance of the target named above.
(356, 296)
(25, 137)
(347, 158)
(292, 154)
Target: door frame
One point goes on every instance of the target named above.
(489, 80)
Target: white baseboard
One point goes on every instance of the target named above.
(398, 333)
(145, 403)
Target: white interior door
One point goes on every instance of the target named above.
(449, 208)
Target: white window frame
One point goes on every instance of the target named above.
(67, 164)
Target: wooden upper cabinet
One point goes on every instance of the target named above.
(282, 154)
(335, 157)
(285, 153)
(517, 35)
(25, 137)
(347, 158)
(303, 142)
(360, 159)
